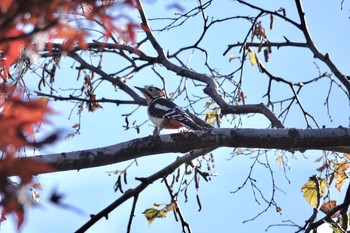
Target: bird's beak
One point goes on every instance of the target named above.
(140, 89)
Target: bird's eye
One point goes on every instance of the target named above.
(150, 89)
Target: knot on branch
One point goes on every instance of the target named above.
(294, 133)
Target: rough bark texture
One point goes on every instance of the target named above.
(336, 139)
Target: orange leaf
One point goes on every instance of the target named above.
(328, 206)
(5, 4)
(18, 119)
(11, 205)
(24, 168)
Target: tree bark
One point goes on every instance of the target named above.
(335, 139)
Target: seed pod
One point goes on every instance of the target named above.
(271, 21)
(266, 55)
(199, 202)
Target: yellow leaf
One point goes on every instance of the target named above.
(252, 57)
(280, 161)
(347, 155)
(211, 117)
(310, 190)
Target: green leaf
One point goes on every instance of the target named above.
(151, 214)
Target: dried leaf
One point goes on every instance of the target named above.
(319, 159)
(36, 186)
(231, 57)
(266, 55)
(328, 206)
(340, 174)
(156, 205)
(208, 104)
(71, 135)
(171, 206)
(278, 209)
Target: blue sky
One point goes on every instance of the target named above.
(92, 189)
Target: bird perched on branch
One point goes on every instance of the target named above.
(164, 113)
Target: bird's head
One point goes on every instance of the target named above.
(151, 93)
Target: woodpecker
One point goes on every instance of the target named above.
(164, 113)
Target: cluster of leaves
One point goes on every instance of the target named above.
(156, 212)
(24, 25)
(26, 30)
(318, 188)
(18, 119)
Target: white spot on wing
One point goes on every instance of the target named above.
(162, 107)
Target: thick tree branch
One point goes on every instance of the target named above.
(336, 139)
(328, 217)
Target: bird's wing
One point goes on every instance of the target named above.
(168, 109)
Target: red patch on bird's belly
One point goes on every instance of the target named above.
(171, 124)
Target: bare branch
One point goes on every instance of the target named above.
(317, 54)
(74, 98)
(273, 44)
(144, 184)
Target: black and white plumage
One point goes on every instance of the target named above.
(164, 113)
